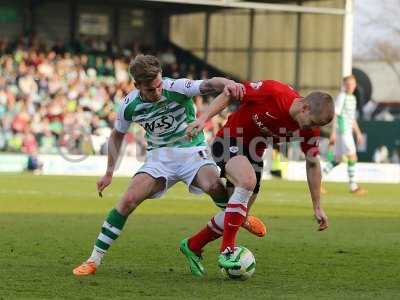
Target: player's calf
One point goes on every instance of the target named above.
(128, 203)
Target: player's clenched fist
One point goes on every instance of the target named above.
(194, 128)
(234, 90)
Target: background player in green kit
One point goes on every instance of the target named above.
(164, 108)
(342, 133)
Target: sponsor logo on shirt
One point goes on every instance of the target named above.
(159, 125)
(261, 126)
(290, 136)
(258, 122)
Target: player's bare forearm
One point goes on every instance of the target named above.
(114, 146)
(313, 169)
(214, 86)
(356, 128)
(216, 106)
(314, 183)
(218, 85)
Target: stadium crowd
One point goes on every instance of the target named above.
(66, 96)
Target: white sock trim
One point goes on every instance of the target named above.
(213, 228)
(105, 239)
(237, 210)
(113, 229)
(219, 219)
(97, 256)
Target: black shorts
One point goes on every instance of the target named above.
(224, 149)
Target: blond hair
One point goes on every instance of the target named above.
(350, 77)
(144, 68)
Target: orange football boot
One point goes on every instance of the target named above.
(359, 191)
(86, 268)
(255, 226)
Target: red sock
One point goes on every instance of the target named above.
(232, 223)
(202, 238)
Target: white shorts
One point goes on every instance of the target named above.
(176, 164)
(344, 145)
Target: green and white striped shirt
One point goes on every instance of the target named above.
(166, 120)
(345, 110)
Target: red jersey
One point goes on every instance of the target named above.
(264, 112)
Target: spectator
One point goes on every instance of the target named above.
(396, 155)
(381, 155)
(167, 57)
(34, 163)
(48, 143)
(29, 144)
(67, 94)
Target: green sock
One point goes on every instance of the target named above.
(110, 231)
(330, 156)
(329, 166)
(351, 170)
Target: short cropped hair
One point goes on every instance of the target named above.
(321, 105)
(352, 77)
(144, 68)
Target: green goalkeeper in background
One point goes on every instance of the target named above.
(342, 138)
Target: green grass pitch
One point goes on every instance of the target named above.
(48, 225)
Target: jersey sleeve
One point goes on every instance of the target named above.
(339, 102)
(254, 91)
(310, 142)
(262, 90)
(184, 86)
(121, 124)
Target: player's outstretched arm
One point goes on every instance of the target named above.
(114, 146)
(313, 169)
(215, 107)
(217, 85)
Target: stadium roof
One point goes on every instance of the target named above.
(274, 5)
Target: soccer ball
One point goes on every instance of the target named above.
(247, 262)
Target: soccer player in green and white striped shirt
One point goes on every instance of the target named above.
(164, 108)
(342, 133)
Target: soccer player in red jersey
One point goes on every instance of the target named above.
(270, 112)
